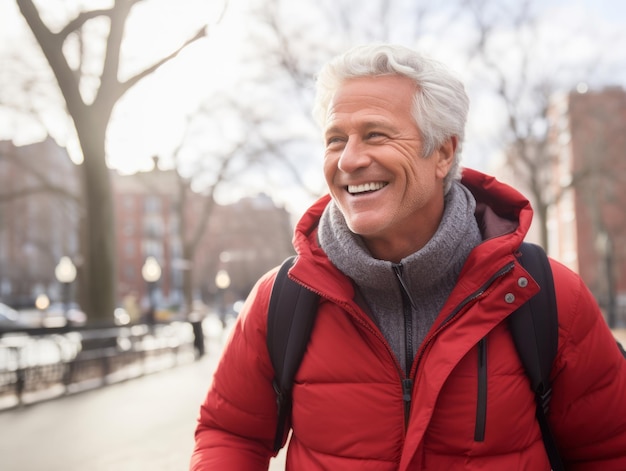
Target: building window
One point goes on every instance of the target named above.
(154, 248)
(129, 228)
(152, 204)
(130, 272)
(129, 202)
(153, 227)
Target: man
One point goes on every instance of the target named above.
(417, 271)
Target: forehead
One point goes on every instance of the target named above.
(385, 94)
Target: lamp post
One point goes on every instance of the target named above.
(604, 246)
(151, 273)
(65, 273)
(42, 302)
(222, 281)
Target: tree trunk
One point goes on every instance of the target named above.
(188, 284)
(99, 288)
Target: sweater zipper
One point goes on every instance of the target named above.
(407, 305)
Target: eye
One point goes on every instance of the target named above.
(334, 141)
(375, 135)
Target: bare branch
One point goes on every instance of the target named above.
(52, 47)
(78, 22)
(44, 186)
(31, 191)
(124, 86)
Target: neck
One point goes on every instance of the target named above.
(404, 239)
(394, 249)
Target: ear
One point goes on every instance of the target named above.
(445, 156)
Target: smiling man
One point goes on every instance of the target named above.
(410, 364)
(385, 191)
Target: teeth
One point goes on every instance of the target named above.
(353, 189)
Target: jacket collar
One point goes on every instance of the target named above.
(503, 215)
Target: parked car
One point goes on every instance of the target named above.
(8, 316)
(59, 314)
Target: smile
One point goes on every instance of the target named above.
(366, 187)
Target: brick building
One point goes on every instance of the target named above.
(245, 239)
(39, 218)
(588, 225)
(37, 228)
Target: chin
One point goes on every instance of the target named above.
(364, 228)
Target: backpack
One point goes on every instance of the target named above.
(534, 327)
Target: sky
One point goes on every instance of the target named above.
(150, 119)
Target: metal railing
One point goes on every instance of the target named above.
(42, 363)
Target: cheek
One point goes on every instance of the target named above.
(420, 181)
(329, 169)
(415, 176)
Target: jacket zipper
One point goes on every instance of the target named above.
(407, 382)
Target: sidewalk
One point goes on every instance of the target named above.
(144, 424)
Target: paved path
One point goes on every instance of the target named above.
(144, 424)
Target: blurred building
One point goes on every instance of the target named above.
(146, 225)
(39, 218)
(40, 224)
(243, 239)
(587, 226)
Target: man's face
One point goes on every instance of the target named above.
(373, 162)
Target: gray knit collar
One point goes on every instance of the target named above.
(439, 261)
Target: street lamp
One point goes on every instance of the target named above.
(222, 281)
(151, 273)
(42, 302)
(65, 273)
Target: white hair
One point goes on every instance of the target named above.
(440, 104)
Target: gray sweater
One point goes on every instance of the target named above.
(430, 274)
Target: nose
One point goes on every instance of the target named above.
(353, 156)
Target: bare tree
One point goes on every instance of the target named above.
(91, 120)
(213, 166)
(525, 101)
(192, 227)
(294, 40)
(507, 45)
(600, 137)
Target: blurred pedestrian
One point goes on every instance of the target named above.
(195, 319)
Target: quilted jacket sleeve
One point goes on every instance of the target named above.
(238, 416)
(588, 408)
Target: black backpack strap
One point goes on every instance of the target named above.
(534, 327)
(290, 319)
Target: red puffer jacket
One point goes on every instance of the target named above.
(348, 410)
